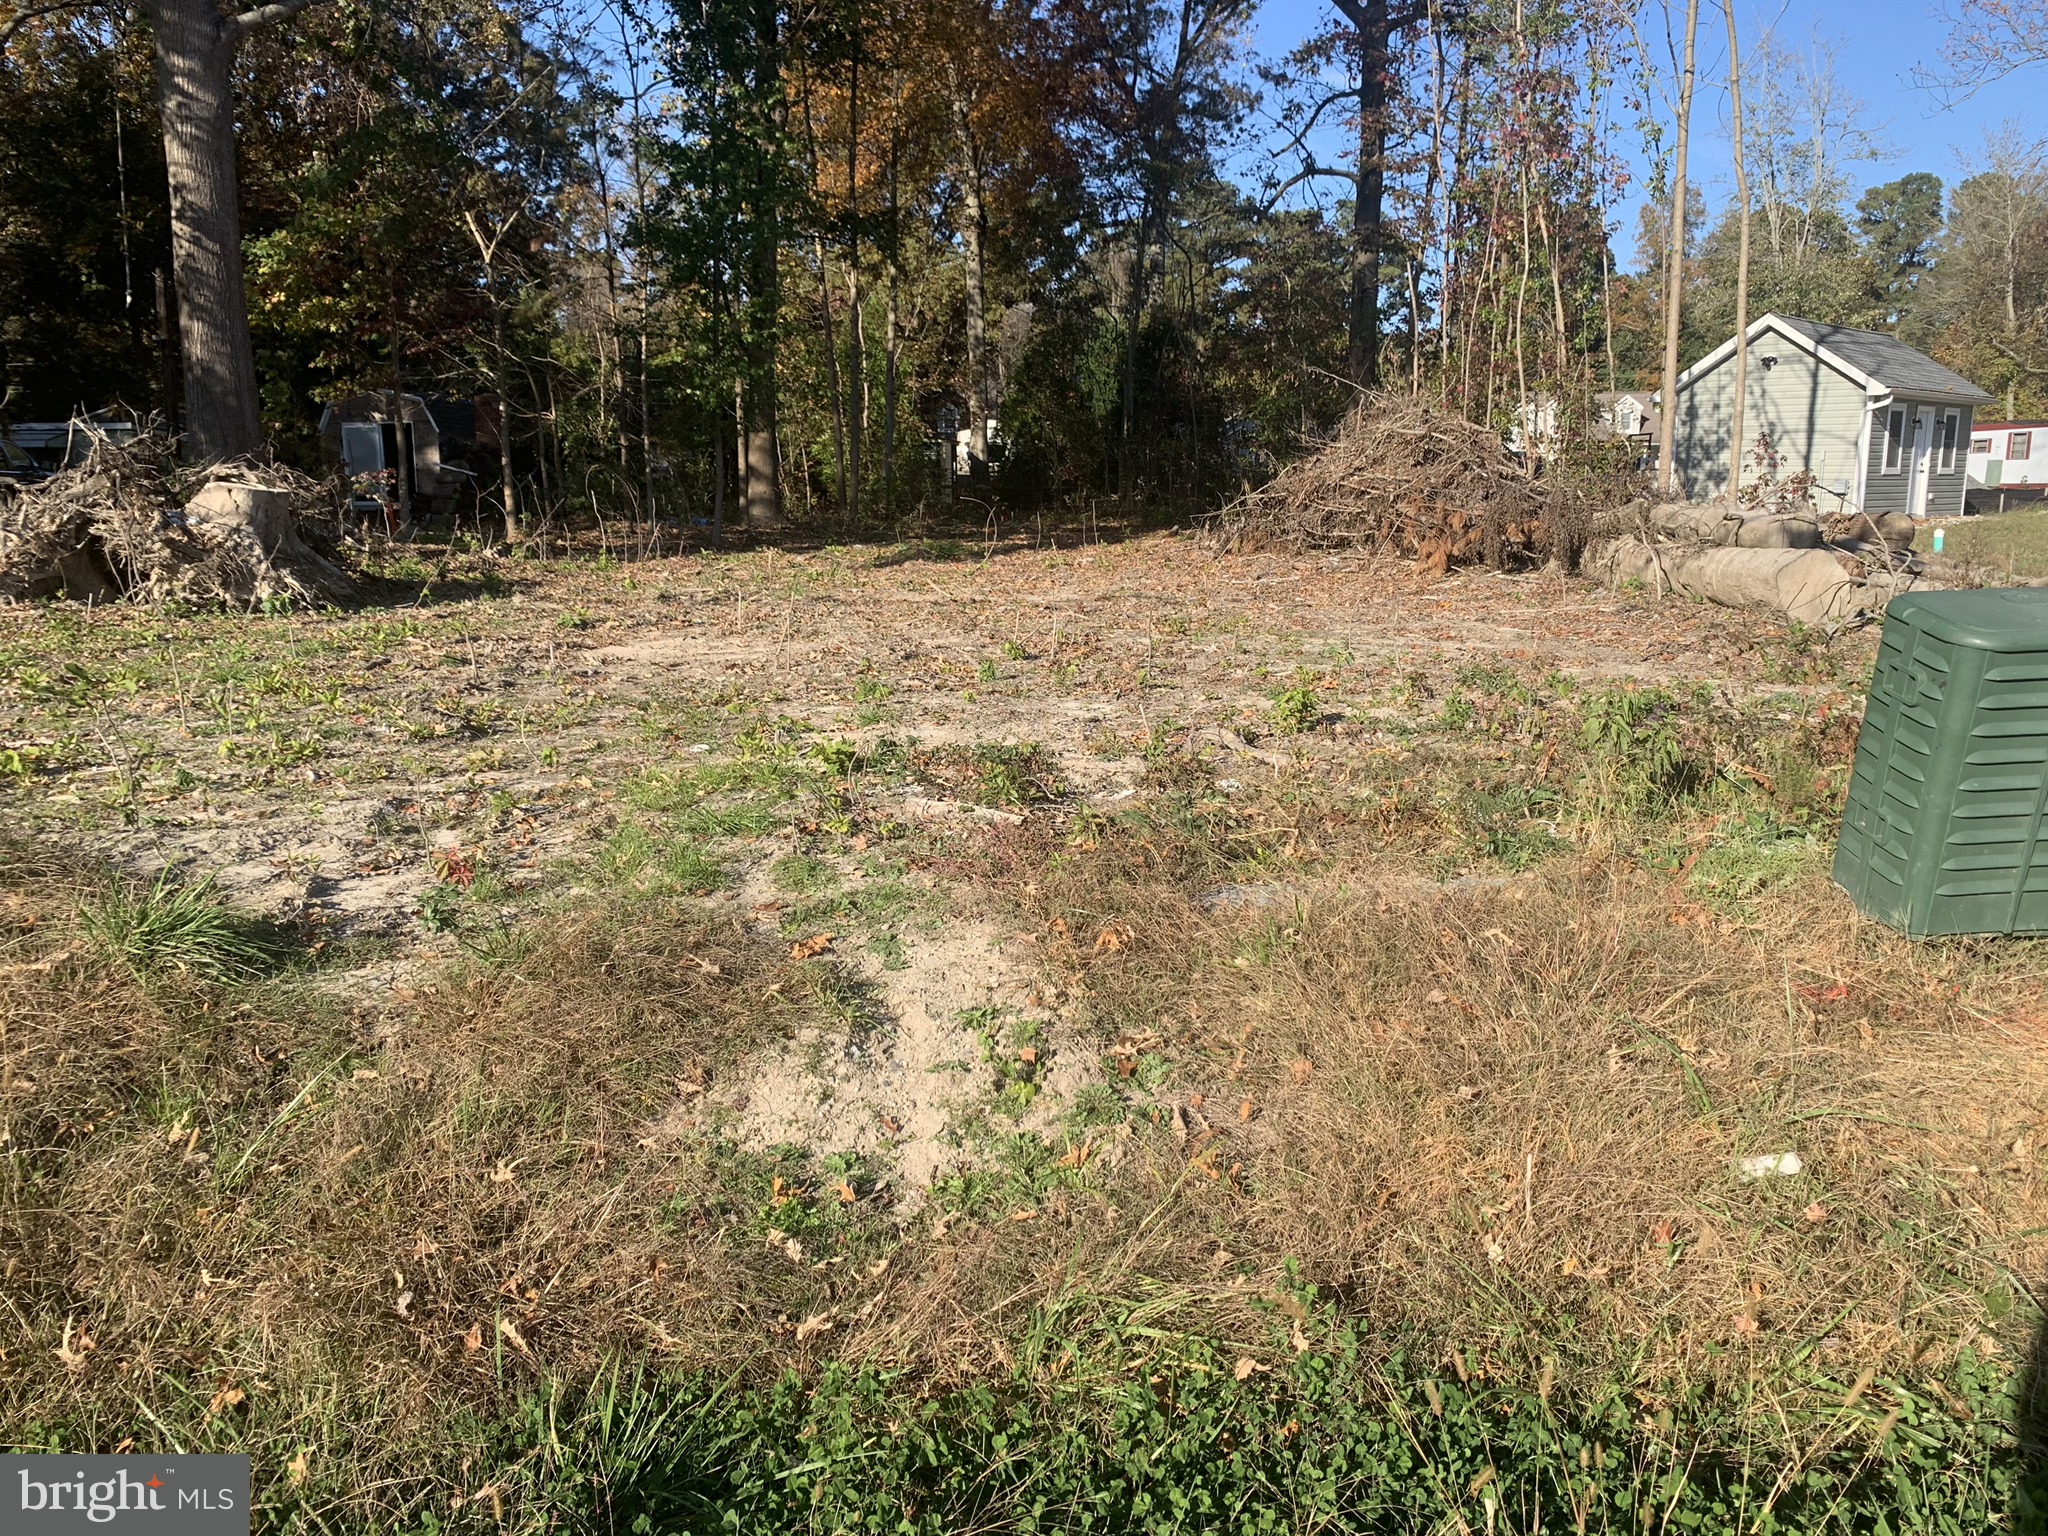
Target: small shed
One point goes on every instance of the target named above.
(1880, 425)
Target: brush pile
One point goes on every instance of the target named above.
(127, 524)
(1405, 477)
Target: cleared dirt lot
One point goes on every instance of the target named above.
(950, 960)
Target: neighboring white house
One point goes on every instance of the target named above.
(1882, 426)
(1630, 413)
(2008, 462)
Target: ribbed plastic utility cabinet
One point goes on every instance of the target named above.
(1943, 829)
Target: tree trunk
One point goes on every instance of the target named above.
(828, 336)
(889, 344)
(977, 292)
(508, 489)
(1735, 424)
(195, 46)
(856, 362)
(1134, 319)
(1375, 27)
(1674, 265)
(167, 355)
(760, 443)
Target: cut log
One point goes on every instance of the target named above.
(1731, 525)
(1810, 585)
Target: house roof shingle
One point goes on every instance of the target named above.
(1902, 369)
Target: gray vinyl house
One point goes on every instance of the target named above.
(1882, 426)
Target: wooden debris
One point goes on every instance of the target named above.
(1402, 476)
(129, 523)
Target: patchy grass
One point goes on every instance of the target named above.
(2013, 542)
(1378, 1162)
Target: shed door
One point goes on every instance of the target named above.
(1920, 457)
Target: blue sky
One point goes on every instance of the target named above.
(1880, 42)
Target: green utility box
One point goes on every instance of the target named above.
(1942, 832)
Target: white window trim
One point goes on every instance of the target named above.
(1894, 442)
(1949, 425)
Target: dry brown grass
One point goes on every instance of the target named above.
(1499, 1118)
(1508, 1116)
(241, 1185)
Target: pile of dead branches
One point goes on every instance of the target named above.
(1403, 476)
(129, 524)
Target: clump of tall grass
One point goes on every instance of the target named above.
(171, 926)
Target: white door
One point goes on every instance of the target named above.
(1920, 459)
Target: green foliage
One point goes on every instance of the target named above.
(1747, 855)
(1636, 740)
(440, 907)
(1514, 824)
(1119, 1426)
(802, 873)
(1296, 709)
(1014, 1047)
(172, 926)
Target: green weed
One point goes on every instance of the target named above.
(1636, 739)
(1747, 856)
(1294, 710)
(1015, 1048)
(177, 926)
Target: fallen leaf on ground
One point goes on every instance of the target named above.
(1815, 1213)
(1245, 1366)
(1299, 1069)
(474, 1339)
(816, 944)
(510, 1331)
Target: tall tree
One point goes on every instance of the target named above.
(1735, 423)
(1674, 258)
(1901, 223)
(195, 51)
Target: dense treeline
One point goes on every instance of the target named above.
(739, 262)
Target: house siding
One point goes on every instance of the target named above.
(1887, 492)
(1809, 409)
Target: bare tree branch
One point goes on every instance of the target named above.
(1304, 174)
(23, 18)
(236, 28)
(2020, 362)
